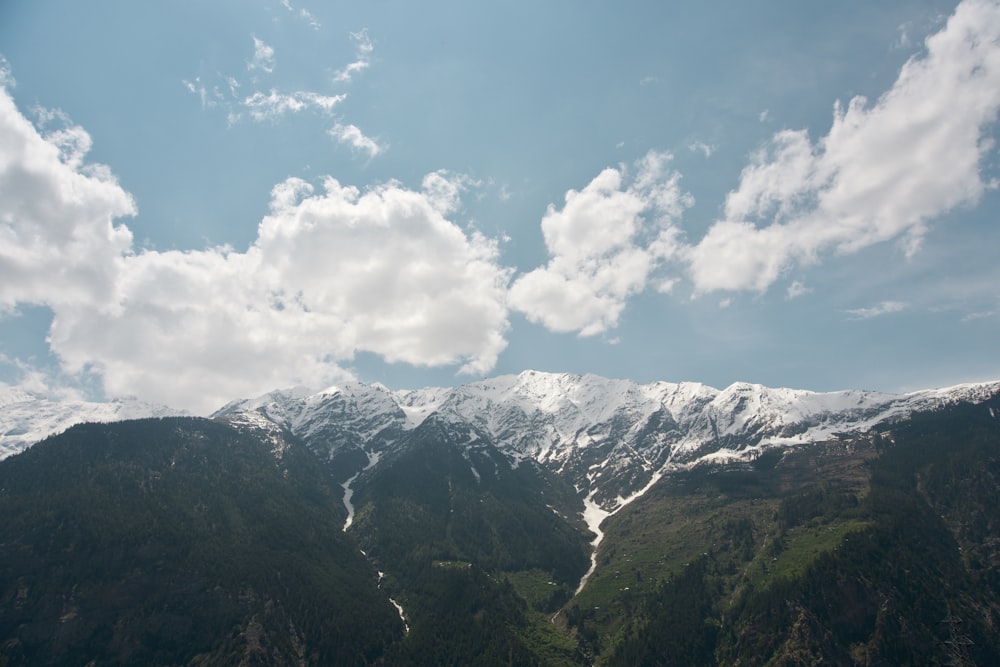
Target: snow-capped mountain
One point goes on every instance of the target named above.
(610, 438)
(26, 418)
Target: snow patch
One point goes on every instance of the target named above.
(402, 615)
(348, 494)
(399, 607)
(373, 459)
(593, 516)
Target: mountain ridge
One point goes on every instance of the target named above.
(612, 436)
(551, 519)
(601, 432)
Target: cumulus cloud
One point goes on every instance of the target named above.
(59, 242)
(883, 171)
(352, 136)
(333, 271)
(362, 60)
(883, 308)
(603, 245)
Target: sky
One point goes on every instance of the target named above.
(202, 201)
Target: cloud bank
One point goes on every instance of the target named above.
(332, 272)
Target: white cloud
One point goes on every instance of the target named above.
(58, 239)
(363, 56)
(273, 105)
(883, 308)
(701, 147)
(797, 289)
(603, 245)
(980, 315)
(303, 13)
(196, 87)
(263, 56)
(330, 274)
(6, 77)
(883, 172)
(444, 189)
(352, 136)
(48, 382)
(903, 40)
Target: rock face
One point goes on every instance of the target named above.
(609, 438)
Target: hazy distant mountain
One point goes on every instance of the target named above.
(26, 418)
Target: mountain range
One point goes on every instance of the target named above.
(611, 439)
(539, 518)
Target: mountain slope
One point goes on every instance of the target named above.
(892, 566)
(472, 548)
(180, 541)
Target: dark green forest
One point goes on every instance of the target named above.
(189, 542)
(179, 541)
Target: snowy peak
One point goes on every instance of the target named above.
(609, 437)
(547, 415)
(27, 418)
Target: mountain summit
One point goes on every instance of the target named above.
(611, 438)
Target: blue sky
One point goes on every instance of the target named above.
(203, 201)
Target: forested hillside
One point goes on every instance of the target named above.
(180, 541)
(881, 551)
(191, 541)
